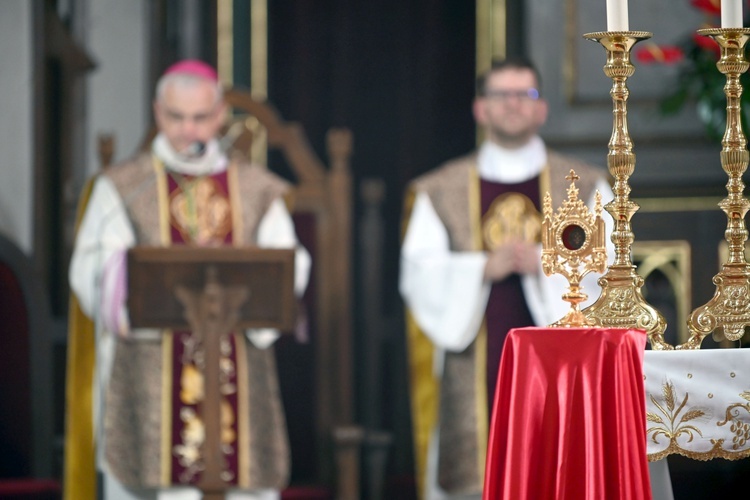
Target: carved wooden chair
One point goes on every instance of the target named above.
(316, 376)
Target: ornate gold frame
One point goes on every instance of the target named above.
(225, 41)
(491, 36)
(672, 258)
(258, 45)
(258, 64)
(491, 39)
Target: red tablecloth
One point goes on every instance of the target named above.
(569, 417)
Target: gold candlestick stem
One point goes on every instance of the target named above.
(621, 304)
(729, 309)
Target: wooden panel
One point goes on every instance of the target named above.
(153, 274)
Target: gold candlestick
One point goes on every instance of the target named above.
(728, 312)
(621, 304)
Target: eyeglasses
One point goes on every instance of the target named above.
(530, 94)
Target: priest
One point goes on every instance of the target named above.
(471, 271)
(183, 190)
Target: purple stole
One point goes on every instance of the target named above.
(200, 214)
(506, 307)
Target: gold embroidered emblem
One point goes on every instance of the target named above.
(188, 452)
(200, 210)
(511, 216)
(191, 385)
(673, 422)
(192, 392)
(228, 435)
(739, 426)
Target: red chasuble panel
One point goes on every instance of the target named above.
(200, 214)
(506, 307)
(569, 417)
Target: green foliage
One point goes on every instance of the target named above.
(701, 84)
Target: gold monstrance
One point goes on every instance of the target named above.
(573, 246)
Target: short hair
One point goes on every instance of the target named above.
(185, 80)
(514, 62)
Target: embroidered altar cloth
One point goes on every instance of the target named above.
(698, 403)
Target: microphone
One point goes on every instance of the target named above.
(194, 151)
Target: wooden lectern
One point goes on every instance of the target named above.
(211, 291)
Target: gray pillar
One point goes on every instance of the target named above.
(191, 32)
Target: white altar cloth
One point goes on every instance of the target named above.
(698, 403)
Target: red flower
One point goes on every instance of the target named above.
(712, 7)
(665, 54)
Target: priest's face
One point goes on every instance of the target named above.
(188, 113)
(511, 110)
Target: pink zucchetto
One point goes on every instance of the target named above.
(193, 67)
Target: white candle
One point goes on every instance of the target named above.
(731, 13)
(617, 15)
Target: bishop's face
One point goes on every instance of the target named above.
(189, 113)
(511, 110)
